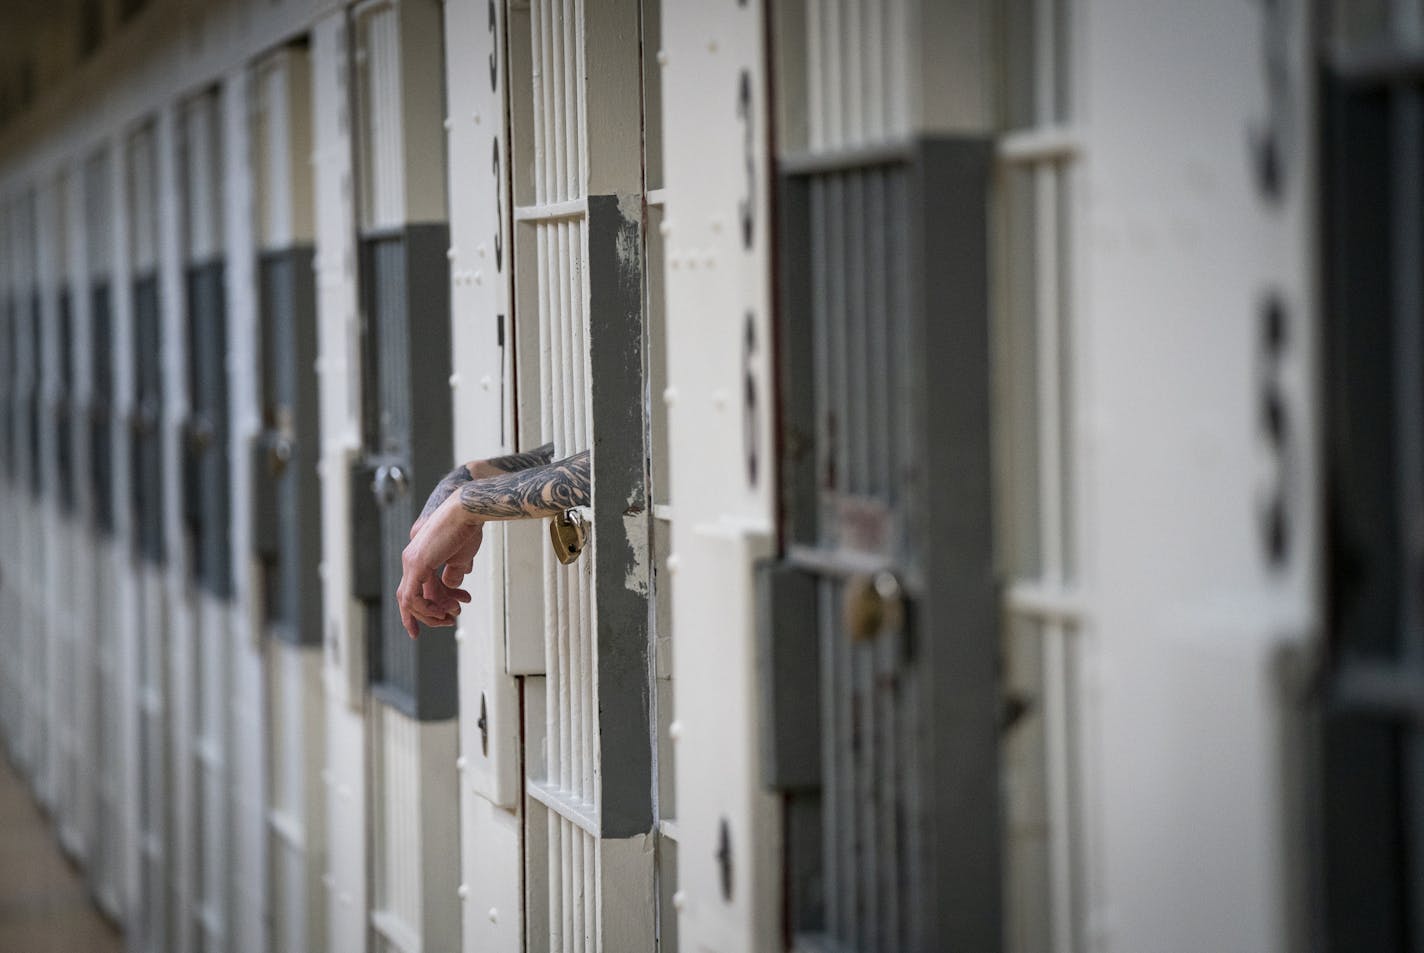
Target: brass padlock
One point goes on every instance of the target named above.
(872, 605)
(567, 534)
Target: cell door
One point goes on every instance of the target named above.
(33, 316)
(577, 179)
(98, 203)
(65, 409)
(98, 432)
(405, 353)
(286, 489)
(879, 621)
(145, 424)
(1371, 744)
(206, 463)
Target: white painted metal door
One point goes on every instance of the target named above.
(577, 175)
(286, 517)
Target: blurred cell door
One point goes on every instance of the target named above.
(110, 839)
(403, 241)
(206, 464)
(880, 618)
(405, 288)
(1372, 705)
(146, 484)
(287, 496)
(202, 684)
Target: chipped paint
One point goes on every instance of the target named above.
(635, 527)
(629, 242)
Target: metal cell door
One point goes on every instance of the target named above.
(147, 438)
(145, 430)
(100, 429)
(98, 432)
(1371, 748)
(206, 467)
(879, 621)
(286, 489)
(579, 324)
(405, 311)
(34, 399)
(64, 407)
(98, 209)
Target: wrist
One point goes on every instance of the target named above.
(460, 512)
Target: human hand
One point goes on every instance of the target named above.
(448, 537)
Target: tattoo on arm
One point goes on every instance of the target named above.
(447, 485)
(514, 462)
(530, 494)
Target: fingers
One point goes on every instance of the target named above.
(415, 527)
(427, 594)
(416, 609)
(442, 598)
(453, 575)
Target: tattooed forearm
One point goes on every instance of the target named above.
(530, 494)
(514, 462)
(449, 484)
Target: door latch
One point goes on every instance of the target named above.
(390, 484)
(567, 534)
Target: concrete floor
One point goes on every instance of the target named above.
(44, 904)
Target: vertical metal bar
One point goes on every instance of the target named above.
(1049, 359)
(1045, 57)
(578, 322)
(546, 86)
(858, 439)
(572, 80)
(874, 70)
(833, 69)
(569, 398)
(579, 668)
(852, 874)
(885, 368)
(577, 941)
(897, 60)
(820, 337)
(831, 754)
(546, 357)
(571, 884)
(586, 699)
(568, 683)
(868, 786)
(580, 94)
(815, 77)
(592, 937)
(536, 46)
(555, 383)
(1067, 517)
(1056, 694)
(852, 37)
(558, 69)
(556, 883)
(837, 319)
(892, 730)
